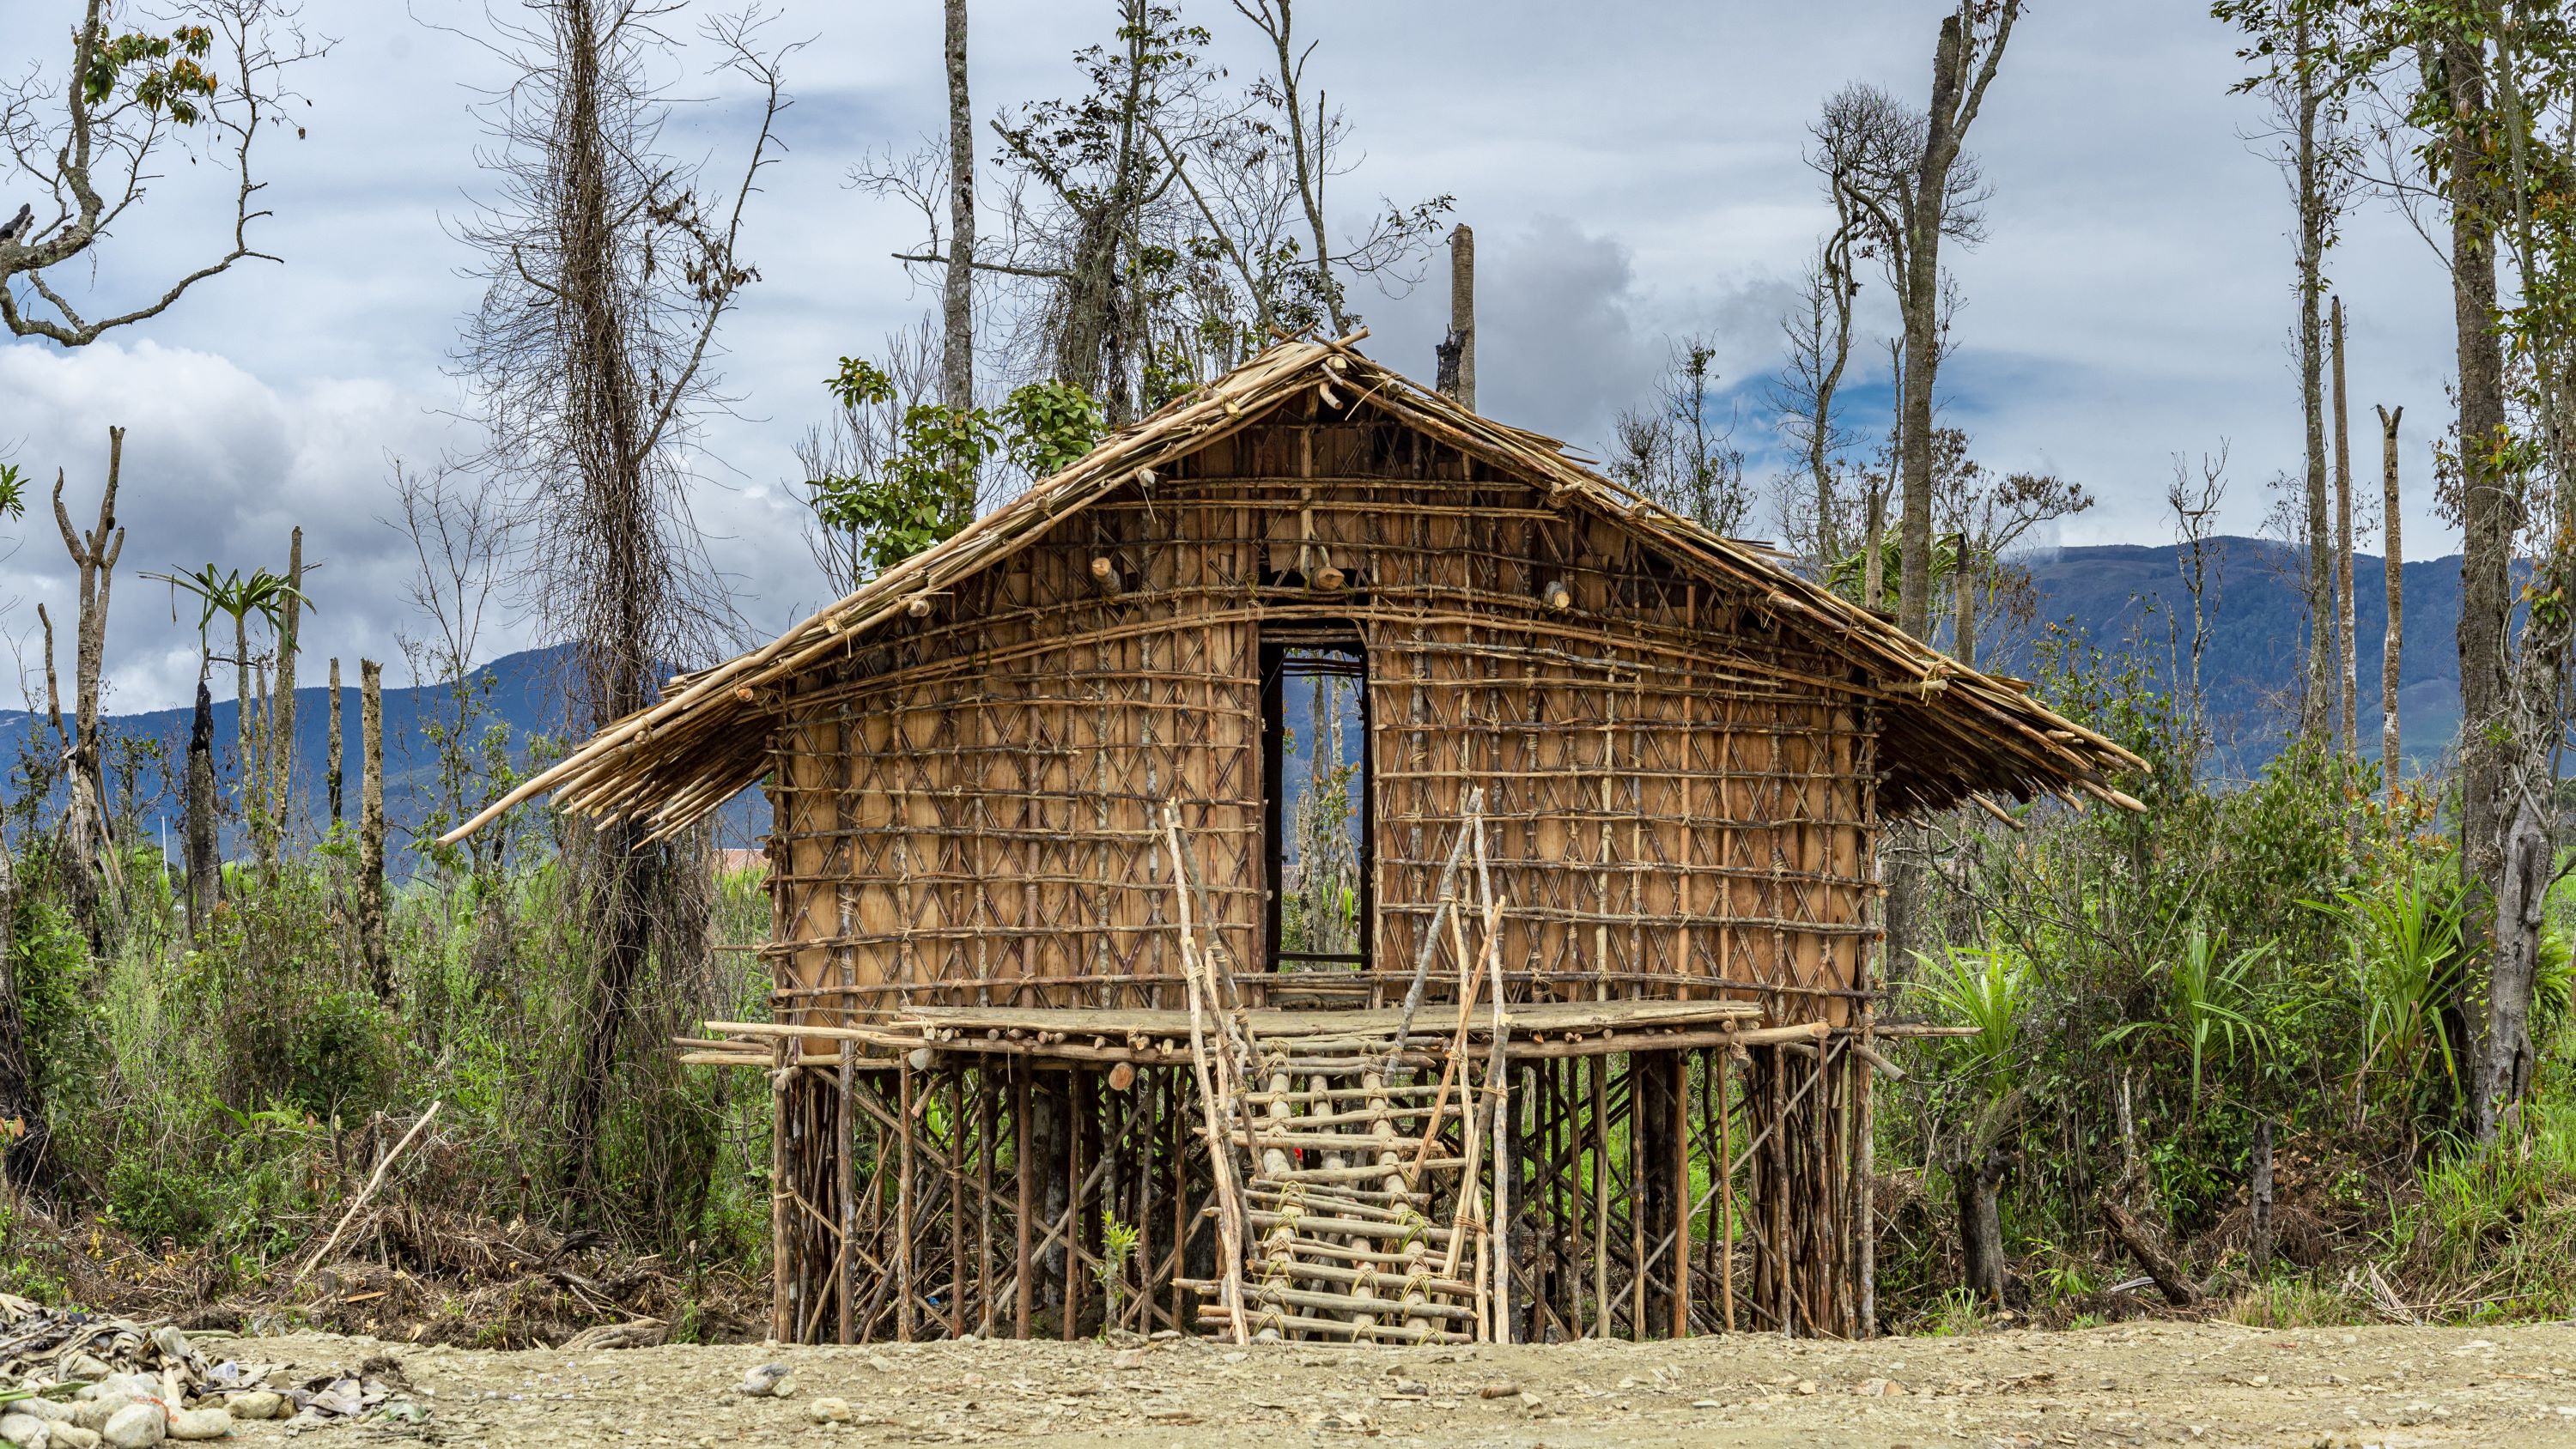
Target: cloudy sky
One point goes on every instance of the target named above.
(1632, 169)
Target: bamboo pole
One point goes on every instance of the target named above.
(843, 1164)
(903, 1204)
(1220, 1155)
(1024, 1267)
(1724, 1167)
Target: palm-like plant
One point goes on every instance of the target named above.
(2208, 993)
(238, 597)
(2409, 962)
(1989, 989)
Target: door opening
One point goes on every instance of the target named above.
(1315, 756)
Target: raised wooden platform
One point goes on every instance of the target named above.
(1154, 1037)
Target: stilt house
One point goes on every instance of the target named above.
(1594, 1060)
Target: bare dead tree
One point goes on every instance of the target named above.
(371, 830)
(607, 275)
(2307, 139)
(89, 851)
(93, 137)
(198, 815)
(2392, 637)
(2347, 669)
(1964, 62)
(1676, 452)
(1455, 357)
(335, 747)
(957, 358)
(1819, 333)
(2194, 497)
(458, 529)
(1874, 152)
(1990, 514)
(277, 798)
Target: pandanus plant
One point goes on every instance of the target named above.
(237, 597)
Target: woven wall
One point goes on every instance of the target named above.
(968, 806)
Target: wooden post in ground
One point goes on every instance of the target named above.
(371, 829)
(1721, 1061)
(1024, 1268)
(845, 1262)
(782, 1271)
(1678, 1079)
(903, 1204)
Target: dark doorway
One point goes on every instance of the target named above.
(1318, 804)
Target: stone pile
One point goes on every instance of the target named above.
(71, 1379)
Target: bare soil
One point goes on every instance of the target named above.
(2138, 1383)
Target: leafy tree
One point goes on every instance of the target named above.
(927, 490)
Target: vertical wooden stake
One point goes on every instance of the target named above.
(1720, 1061)
(1776, 1189)
(844, 1131)
(1678, 1076)
(1024, 1271)
(782, 1260)
(1595, 1069)
(984, 1201)
(903, 1204)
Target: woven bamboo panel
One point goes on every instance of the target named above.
(968, 804)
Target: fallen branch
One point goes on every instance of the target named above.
(368, 1191)
(2171, 1280)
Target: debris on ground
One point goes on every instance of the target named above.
(72, 1379)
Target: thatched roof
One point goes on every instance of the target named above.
(1947, 732)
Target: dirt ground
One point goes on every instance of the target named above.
(2138, 1383)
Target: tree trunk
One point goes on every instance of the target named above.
(1457, 355)
(1956, 96)
(2522, 900)
(245, 718)
(199, 828)
(957, 302)
(371, 830)
(1976, 1185)
(2489, 515)
(334, 747)
(281, 714)
(22, 1104)
(2258, 1251)
(2390, 758)
(2347, 667)
(89, 846)
(1964, 628)
(2317, 696)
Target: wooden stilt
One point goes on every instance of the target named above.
(1677, 1081)
(782, 1254)
(903, 1205)
(984, 1148)
(844, 1165)
(1595, 1071)
(1777, 1190)
(1023, 1266)
(1724, 1167)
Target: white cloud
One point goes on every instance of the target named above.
(1632, 171)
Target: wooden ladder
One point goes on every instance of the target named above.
(1361, 1219)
